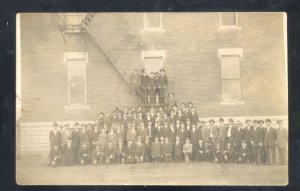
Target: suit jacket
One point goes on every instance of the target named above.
(143, 133)
(162, 81)
(194, 135)
(257, 136)
(139, 150)
(167, 148)
(55, 139)
(144, 81)
(214, 133)
(102, 140)
(158, 132)
(68, 152)
(223, 131)
(131, 135)
(171, 134)
(156, 149)
(129, 151)
(270, 137)
(194, 117)
(200, 133)
(183, 134)
(205, 133)
(282, 137)
(239, 136)
(120, 135)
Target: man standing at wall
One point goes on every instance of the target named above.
(269, 139)
(162, 86)
(144, 86)
(282, 138)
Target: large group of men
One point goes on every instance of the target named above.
(133, 135)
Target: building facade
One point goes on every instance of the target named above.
(74, 66)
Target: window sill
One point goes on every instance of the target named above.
(231, 103)
(229, 27)
(155, 30)
(76, 107)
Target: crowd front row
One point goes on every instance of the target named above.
(174, 142)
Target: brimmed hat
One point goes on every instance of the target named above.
(221, 119)
(248, 120)
(55, 124)
(279, 121)
(230, 120)
(268, 120)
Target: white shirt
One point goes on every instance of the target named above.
(229, 131)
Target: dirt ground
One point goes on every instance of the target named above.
(36, 172)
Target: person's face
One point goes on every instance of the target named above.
(103, 131)
(188, 123)
(187, 141)
(129, 143)
(158, 114)
(156, 139)
(69, 141)
(200, 142)
(193, 126)
(177, 122)
(149, 124)
(84, 146)
(177, 139)
(182, 126)
(142, 125)
(230, 122)
(268, 124)
(167, 140)
(55, 147)
(120, 142)
(140, 115)
(221, 122)
(55, 127)
(279, 124)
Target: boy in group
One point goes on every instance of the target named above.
(282, 137)
(227, 152)
(218, 152)
(129, 152)
(156, 150)
(147, 155)
(84, 154)
(244, 155)
(178, 151)
(208, 153)
(55, 157)
(120, 152)
(167, 149)
(187, 150)
(139, 151)
(68, 153)
(97, 155)
(198, 149)
(110, 153)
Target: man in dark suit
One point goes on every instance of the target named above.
(54, 136)
(162, 85)
(194, 137)
(183, 133)
(270, 137)
(152, 84)
(257, 139)
(222, 132)
(213, 133)
(193, 115)
(68, 153)
(144, 86)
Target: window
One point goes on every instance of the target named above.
(76, 77)
(153, 60)
(74, 19)
(152, 22)
(228, 20)
(230, 71)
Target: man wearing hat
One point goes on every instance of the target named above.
(162, 84)
(178, 150)
(68, 153)
(65, 134)
(139, 151)
(187, 150)
(282, 138)
(213, 132)
(230, 132)
(152, 84)
(257, 139)
(144, 86)
(270, 137)
(76, 140)
(244, 154)
(54, 136)
(222, 132)
(183, 133)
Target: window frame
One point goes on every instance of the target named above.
(149, 28)
(235, 26)
(70, 57)
(234, 52)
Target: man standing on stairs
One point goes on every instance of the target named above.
(135, 79)
(162, 86)
(144, 86)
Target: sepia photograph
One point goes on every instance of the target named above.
(152, 98)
